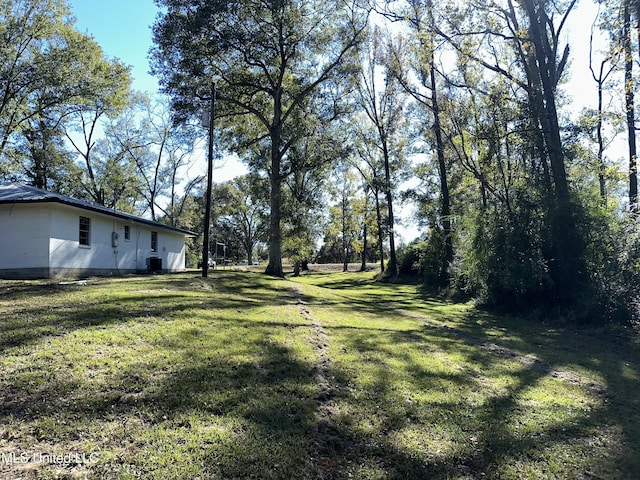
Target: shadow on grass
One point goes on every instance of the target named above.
(232, 419)
(232, 399)
(510, 398)
(41, 309)
(219, 399)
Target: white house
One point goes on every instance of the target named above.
(48, 235)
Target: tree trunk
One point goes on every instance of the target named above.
(601, 168)
(629, 103)
(248, 246)
(345, 243)
(363, 263)
(565, 264)
(445, 208)
(206, 244)
(274, 266)
(380, 231)
(37, 137)
(392, 265)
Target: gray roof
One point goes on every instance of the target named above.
(20, 193)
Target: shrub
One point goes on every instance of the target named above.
(424, 257)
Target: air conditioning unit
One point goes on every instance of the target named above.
(154, 264)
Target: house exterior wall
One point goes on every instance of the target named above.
(42, 240)
(24, 241)
(173, 251)
(136, 250)
(68, 257)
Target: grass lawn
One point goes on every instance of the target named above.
(327, 376)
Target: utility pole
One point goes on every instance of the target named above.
(207, 209)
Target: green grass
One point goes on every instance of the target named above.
(324, 376)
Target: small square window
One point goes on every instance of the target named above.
(127, 232)
(154, 242)
(84, 234)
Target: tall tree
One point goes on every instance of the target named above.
(629, 89)
(600, 75)
(44, 154)
(267, 58)
(309, 162)
(545, 69)
(342, 219)
(528, 33)
(380, 97)
(367, 162)
(48, 70)
(160, 151)
(419, 62)
(241, 208)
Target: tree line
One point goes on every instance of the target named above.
(342, 110)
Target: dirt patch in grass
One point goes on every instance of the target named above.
(324, 433)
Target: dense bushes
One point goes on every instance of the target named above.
(613, 257)
(424, 257)
(505, 258)
(502, 261)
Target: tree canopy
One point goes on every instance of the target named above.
(270, 62)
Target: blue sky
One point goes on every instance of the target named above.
(123, 30)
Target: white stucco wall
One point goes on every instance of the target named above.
(42, 240)
(65, 249)
(128, 256)
(24, 237)
(173, 251)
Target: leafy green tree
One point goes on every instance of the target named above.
(240, 208)
(620, 21)
(365, 217)
(629, 97)
(160, 151)
(85, 127)
(305, 194)
(343, 226)
(44, 156)
(601, 75)
(413, 63)
(367, 161)
(48, 71)
(268, 60)
(528, 34)
(381, 98)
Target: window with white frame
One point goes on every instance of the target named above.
(154, 242)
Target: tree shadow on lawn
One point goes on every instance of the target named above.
(603, 363)
(506, 433)
(43, 309)
(252, 410)
(523, 427)
(244, 417)
(348, 282)
(243, 411)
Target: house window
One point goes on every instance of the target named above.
(84, 235)
(127, 232)
(154, 242)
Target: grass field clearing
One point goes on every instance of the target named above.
(330, 375)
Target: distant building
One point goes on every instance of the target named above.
(48, 235)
